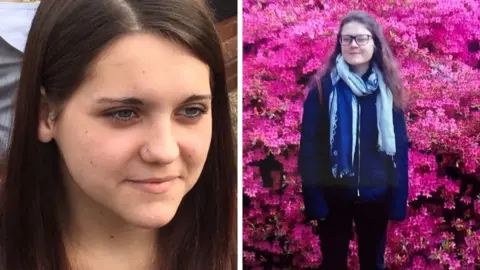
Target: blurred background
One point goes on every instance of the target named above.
(226, 16)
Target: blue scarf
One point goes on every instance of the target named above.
(344, 116)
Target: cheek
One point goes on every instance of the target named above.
(195, 145)
(90, 150)
(99, 148)
(107, 153)
(368, 52)
(90, 158)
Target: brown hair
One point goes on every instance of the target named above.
(64, 39)
(382, 56)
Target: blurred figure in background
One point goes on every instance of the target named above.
(15, 20)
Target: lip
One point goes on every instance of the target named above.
(153, 185)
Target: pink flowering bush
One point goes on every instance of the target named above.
(437, 45)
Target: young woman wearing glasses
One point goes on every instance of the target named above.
(354, 149)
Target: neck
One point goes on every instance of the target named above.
(361, 69)
(97, 239)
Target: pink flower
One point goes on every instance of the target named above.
(437, 46)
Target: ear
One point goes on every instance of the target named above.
(46, 121)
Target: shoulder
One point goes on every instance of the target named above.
(326, 85)
(311, 94)
(325, 80)
(319, 88)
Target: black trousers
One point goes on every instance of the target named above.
(336, 231)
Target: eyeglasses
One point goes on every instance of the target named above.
(361, 40)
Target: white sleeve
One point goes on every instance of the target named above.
(15, 22)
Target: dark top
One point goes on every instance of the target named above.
(377, 177)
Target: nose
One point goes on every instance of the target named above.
(161, 145)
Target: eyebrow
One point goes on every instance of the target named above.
(138, 102)
(197, 98)
(125, 101)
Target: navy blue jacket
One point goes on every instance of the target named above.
(380, 177)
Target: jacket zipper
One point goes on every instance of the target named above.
(358, 139)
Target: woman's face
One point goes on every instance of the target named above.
(354, 53)
(135, 136)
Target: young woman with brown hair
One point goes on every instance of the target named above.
(354, 150)
(122, 149)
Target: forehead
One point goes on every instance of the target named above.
(146, 65)
(355, 28)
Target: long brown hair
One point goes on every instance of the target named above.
(65, 37)
(382, 56)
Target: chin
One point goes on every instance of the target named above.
(150, 218)
(150, 222)
(356, 61)
(153, 224)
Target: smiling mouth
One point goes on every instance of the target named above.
(153, 185)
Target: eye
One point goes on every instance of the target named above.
(192, 112)
(346, 39)
(122, 115)
(362, 39)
